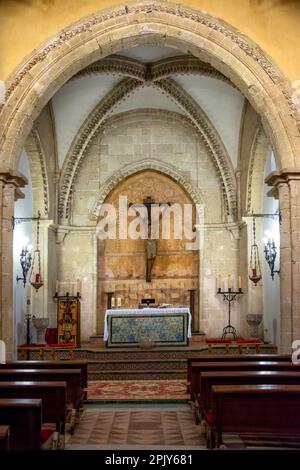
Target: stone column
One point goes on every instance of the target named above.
(286, 317)
(10, 181)
(287, 184)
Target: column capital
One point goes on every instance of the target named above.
(283, 176)
(13, 177)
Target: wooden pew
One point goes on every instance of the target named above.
(24, 418)
(254, 408)
(71, 376)
(63, 364)
(233, 357)
(52, 394)
(4, 437)
(209, 379)
(197, 368)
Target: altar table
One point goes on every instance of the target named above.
(162, 326)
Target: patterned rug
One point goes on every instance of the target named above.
(137, 390)
(142, 427)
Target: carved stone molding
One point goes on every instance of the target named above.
(144, 165)
(180, 65)
(13, 177)
(260, 143)
(35, 152)
(153, 9)
(210, 137)
(92, 124)
(116, 65)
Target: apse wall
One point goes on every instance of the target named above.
(132, 138)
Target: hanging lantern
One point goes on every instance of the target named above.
(36, 272)
(254, 268)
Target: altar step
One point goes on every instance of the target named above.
(137, 369)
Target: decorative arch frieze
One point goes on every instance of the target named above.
(38, 172)
(191, 109)
(137, 167)
(211, 138)
(259, 152)
(179, 65)
(146, 22)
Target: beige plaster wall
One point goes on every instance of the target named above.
(273, 24)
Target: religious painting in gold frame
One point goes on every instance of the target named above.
(68, 321)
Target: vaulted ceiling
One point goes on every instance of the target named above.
(155, 77)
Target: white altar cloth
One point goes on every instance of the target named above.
(142, 311)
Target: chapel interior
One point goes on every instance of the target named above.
(105, 115)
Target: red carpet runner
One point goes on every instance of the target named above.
(138, 390)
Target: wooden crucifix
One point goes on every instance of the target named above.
(151, 243)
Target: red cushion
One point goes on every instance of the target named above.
(250, 341)
(51, 335)
(209, 416)
(45, 434)
(218, 340)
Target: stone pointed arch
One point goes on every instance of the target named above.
(197, 117)
(38, 172)
(255, 181)
(42, 73)
(210, 136)
(145, 165)
(91, 125)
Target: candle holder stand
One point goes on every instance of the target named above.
(229, 296)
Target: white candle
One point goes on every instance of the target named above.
(229, 281)
(56, 286)
(119, 301)
(78, 285)
(28, 299)
(239, 282)
(219, 281)
(112, 301)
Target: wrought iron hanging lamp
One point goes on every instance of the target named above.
(36, 272)
(254, 268)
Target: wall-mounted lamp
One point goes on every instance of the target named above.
(25, 261)
(28, 262)
(270, 251)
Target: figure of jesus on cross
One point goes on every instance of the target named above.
(150, 243)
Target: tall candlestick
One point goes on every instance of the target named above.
(28, 300)
(229, 281)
